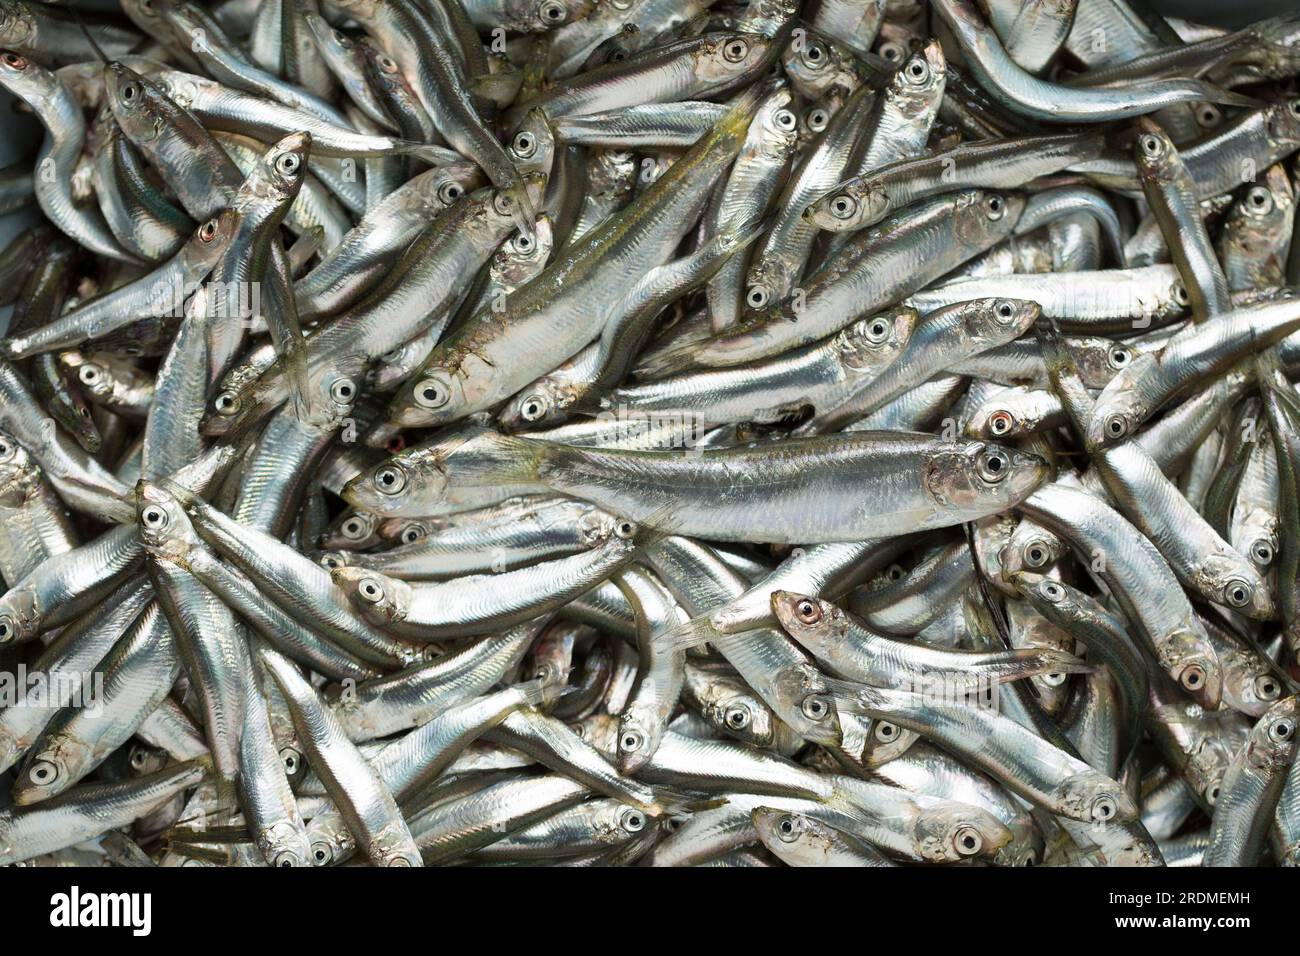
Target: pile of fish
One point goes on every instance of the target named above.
(649, 432)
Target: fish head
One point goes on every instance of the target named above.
(1283, 123)
(639, 733)
(354, 529)
(791, 833)
(165, 528)
(1115, 417)
(376, 594)
(808, 616)
(284, 845)
(978, 478)
(49, 770)
(543, 403)
(19, 474)
(1271, 747)
(948, 832)
(541, 16)
(992, 322)
(211, 238)
(1092, 797)
(1239, 585)
(532, 147)
(1187, 656)
(20, 614)
(725, 57)
(279, 172)
(854, 205)
(25, 78)
(917, 85)
(1154, 154)
(981, 217)
(402, 484)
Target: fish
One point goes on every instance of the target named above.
(649, 433)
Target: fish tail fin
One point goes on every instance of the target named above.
(696, 632)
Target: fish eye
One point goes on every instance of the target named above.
(1118, 356)
(553, 11)
(7, 629)
(1104, 808)
(1151, 145)
(737, 717)
(1267, 687)
(503, 204)
(321, 853)
(90, 374)
(892, 51)
(533, 408)
(130, 92)
(138, 759)
(522, 244)
(448, 193)
(917, 70)
(756, 297)
(625, 529)
(784, 120)
(631, 741)
(1281, 730)
(6, 449)
(331, 561)
(787, 828)
(15, 60)
(1001, 422)
(816, 707)
(390, 479)
(735, 51)
(1036, 555)
(1260, 199)
(818, 118)
(430, 393)
(524, 145)
(843, 207)
(411, 535)
(154, 518)
(877, 330)
(43, 773)
(227, 403)
(1180, 293)
(631, 820)
(895, 572)
(353, 528)
(815, 56)
(208, 231)
(1116, 426)
(1237, 593)
(1212, 794)
(992, 465)
(967, 841)
(1209, 115)
(994, 207)
(808, 611)
(1262, 552)
(1004, 310)
(288, 164)
(885, 732)
(371, 591)
(1052, 591)
(286, 859)
(1053, 680)
(343, 391)
(291, 760)
(1193, 677)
